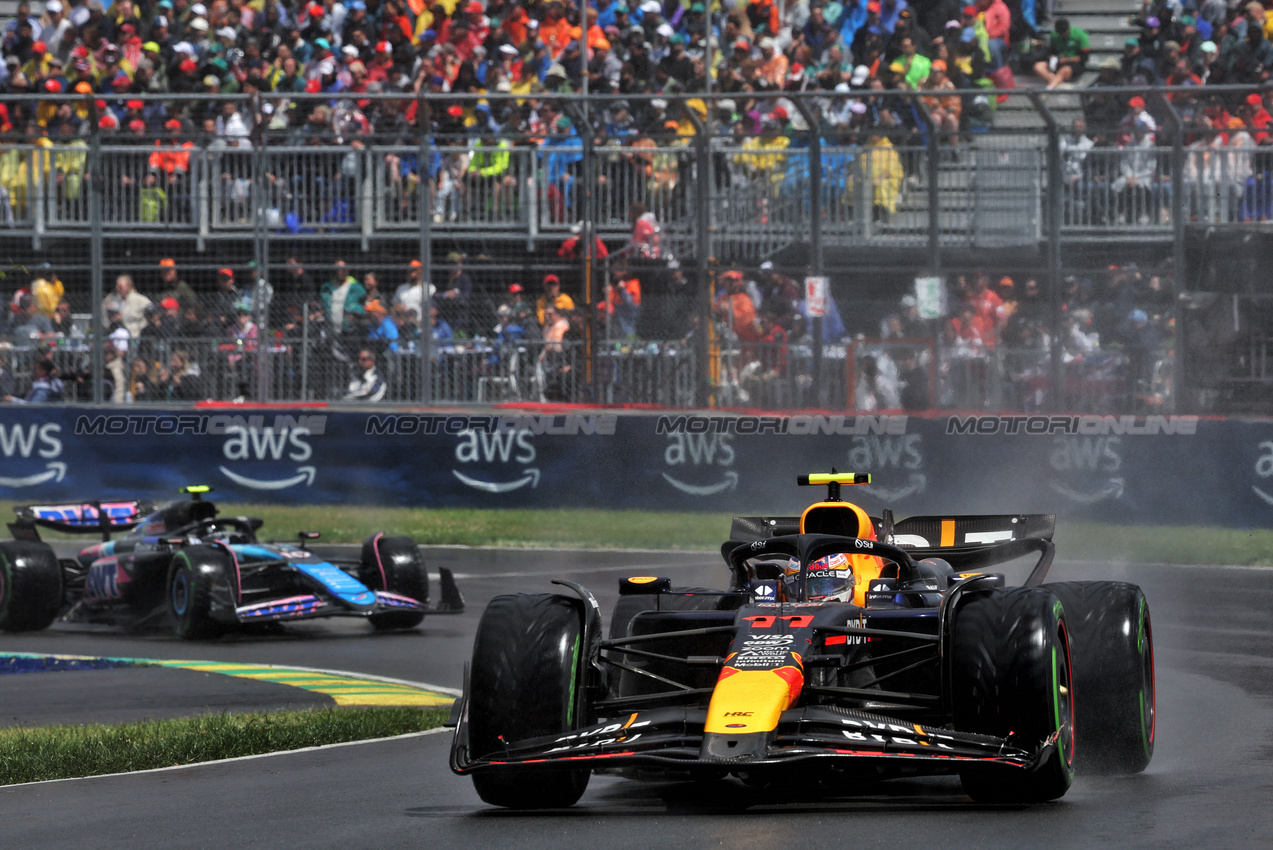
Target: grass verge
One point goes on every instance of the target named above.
(1086, 541)
(64, 752)
(706, 531)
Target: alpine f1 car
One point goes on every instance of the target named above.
(846, 648)
(204, 572)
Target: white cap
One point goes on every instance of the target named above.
(350, 50)
(198, 9)
(226, 32)
(508, 49)
(651, 6)
(199, 24)
(184, 47)
(659, 103)
(53, 6)
(842, 88)
(860, 74)
(665, 30)
(766, 43)
(326, 67)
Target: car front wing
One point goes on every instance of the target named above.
(674, 739)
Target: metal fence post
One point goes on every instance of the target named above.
(263, 293)
(96, 271)
(703, 248)
(424, 124)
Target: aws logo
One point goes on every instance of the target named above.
(1096, 459)
(514, 446)
(1264, 469)
(701, 451)
(19, 442)
(891, 452)
(249, 443)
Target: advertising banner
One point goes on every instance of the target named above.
(1171, 470)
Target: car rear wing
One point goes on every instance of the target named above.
(926, 532)
(89, 517)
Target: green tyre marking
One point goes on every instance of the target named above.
(574, 669)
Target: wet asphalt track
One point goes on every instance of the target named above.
(1210, 783)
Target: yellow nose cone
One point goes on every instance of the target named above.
(747, 701)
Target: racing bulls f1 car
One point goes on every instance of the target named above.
(205, 572)
(846, 647)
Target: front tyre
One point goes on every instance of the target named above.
(523, 683)
(394, 564)
(195, 577)
(1113, 648)
(1010, 677)
(30, 586)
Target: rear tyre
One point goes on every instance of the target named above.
(394, 564)
(30, 586)
(1113, 652)
(523, 683)
(195, 576)
(1010, 676)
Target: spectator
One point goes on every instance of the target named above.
(622, 305)
(370, 384)
(115, 329)
(342, 298)
(130, 303)
(382, 330)
(413, 294)
(46, 388)
(63, 322)
(142, 387)
(116, 373)
(182, 380)
(1067, 48)
(440, 329)
(48, 291)
(160, 328)
(29, 326)
(735, 308)
(224, 304)
(521, 311)
(553, 296)
(554, 366)
(454, 300)
(175, 287)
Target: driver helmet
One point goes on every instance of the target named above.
(829, 578)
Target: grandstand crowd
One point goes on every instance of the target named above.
(848, 51)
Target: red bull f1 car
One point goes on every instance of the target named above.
(846, 648)
(204, 573)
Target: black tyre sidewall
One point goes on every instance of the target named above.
(31, 589)
(523, 683)
(191, 577)
(395, 564)
(1004, 648)
(1112, 637)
